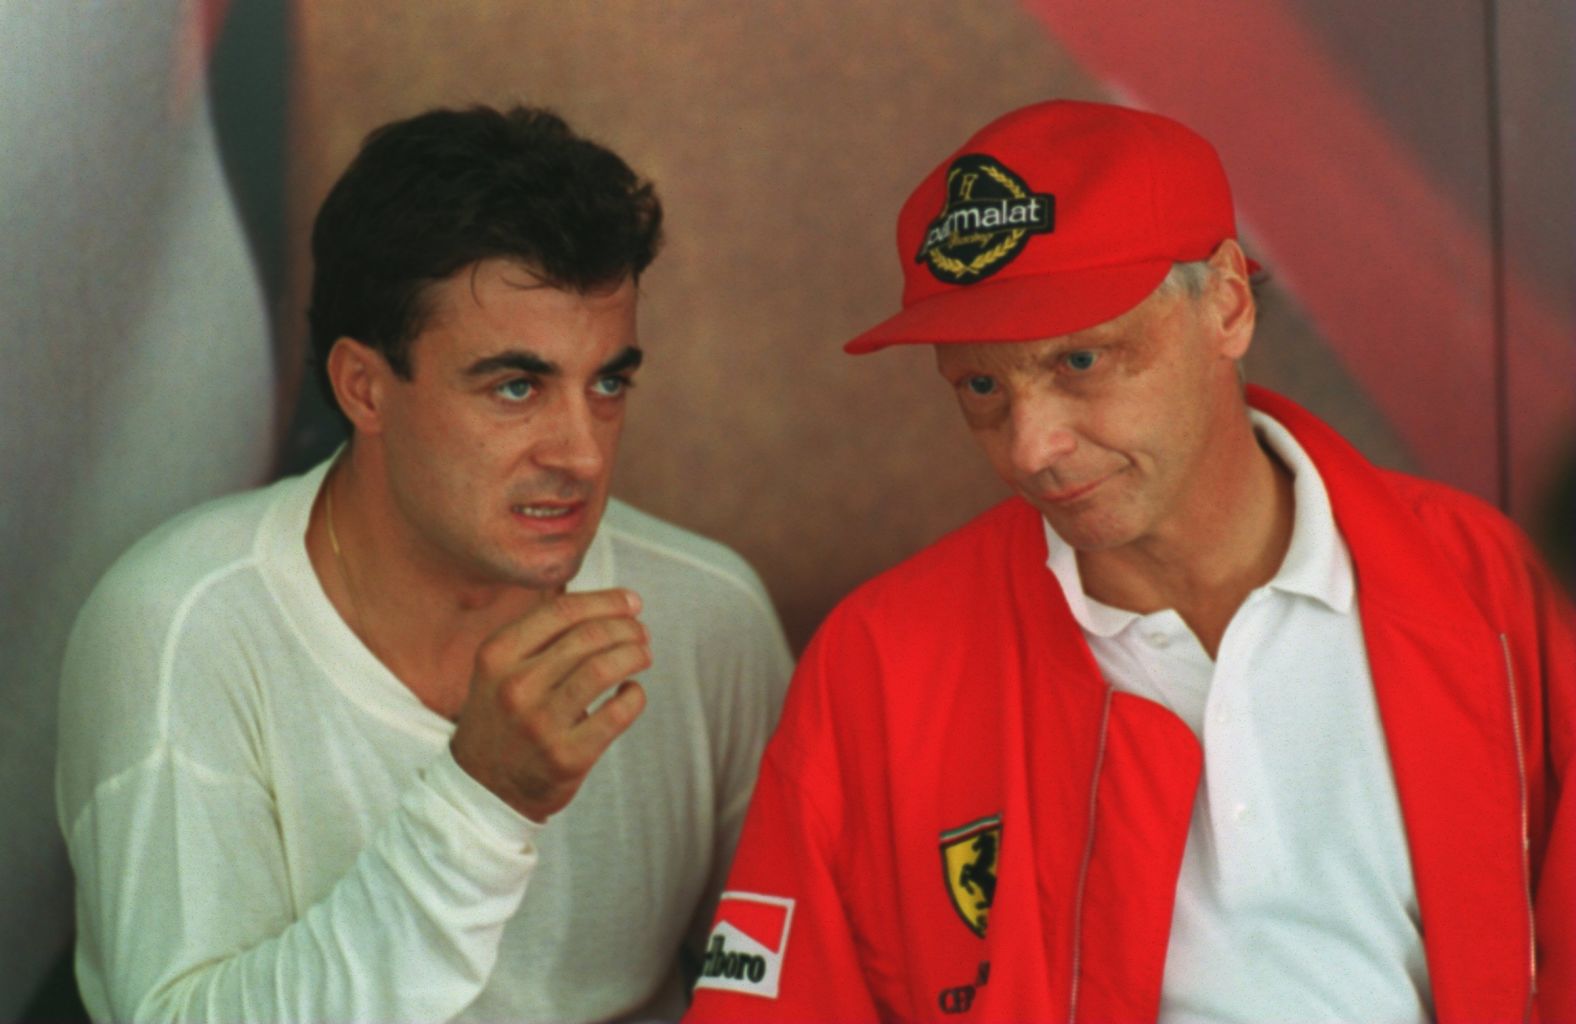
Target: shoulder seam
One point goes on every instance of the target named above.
(784, 754)
(161, 753)
(176, 629)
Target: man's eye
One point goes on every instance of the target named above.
(516, 389)
(981, 386)
(1081, 361)
(612, 386)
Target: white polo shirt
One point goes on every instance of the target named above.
(1295, 901)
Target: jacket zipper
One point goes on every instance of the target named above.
(1088, 855)
(1526, 840)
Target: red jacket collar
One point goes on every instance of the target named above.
(1444, 699)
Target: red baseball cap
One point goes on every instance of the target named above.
(1051, 219)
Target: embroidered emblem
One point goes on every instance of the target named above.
(985, 221)
(968, 863)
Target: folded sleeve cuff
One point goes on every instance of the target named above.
(479, 806)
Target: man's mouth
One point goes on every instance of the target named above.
(1069, 495)
(535, 511)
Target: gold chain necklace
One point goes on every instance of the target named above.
(355, 605)
(344, 564)
(333, 538)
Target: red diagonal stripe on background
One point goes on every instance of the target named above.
(211, 14)
(201, 23)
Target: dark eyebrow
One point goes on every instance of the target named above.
(625, 362)
(529, 362)
(524, 362)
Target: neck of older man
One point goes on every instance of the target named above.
(1227, 537)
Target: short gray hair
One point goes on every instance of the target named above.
(1191, 277)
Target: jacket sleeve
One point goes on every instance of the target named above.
(1537, 624)
(1554, 862)
(783, 947)
(1538, 627)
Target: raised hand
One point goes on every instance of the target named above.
(526, 731)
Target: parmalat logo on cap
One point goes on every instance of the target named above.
(985, 221)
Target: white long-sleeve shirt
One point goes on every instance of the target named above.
(266, 824)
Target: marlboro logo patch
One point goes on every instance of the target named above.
(747, 944)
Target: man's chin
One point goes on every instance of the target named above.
(544, 562)
(1087, 533)
(547, 575)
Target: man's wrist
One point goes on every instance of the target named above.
(490, 812)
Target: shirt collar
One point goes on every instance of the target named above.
(1316, 565)
(1092, 616)
(596, 568)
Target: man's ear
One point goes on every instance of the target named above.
(361, 379)
(1230, 299)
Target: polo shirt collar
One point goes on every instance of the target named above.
(1317, 564)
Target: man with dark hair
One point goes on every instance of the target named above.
(369, 745)
(1258, 731)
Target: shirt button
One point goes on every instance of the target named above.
(1240, 812)
(1158, 640)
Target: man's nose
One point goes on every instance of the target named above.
(573, 445)
(1042, 434)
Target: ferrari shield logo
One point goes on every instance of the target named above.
(968, 861)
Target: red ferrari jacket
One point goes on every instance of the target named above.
(959, 819)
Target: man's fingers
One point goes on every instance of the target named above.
(609, 721)
(561, 657)
(549, 620)
(596, 674)
(535, 682)
(527, 730)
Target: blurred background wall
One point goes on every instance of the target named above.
(139, 366)
(1403, 170)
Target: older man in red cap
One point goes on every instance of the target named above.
(1214, 721)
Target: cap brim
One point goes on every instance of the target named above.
(1018, 309)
